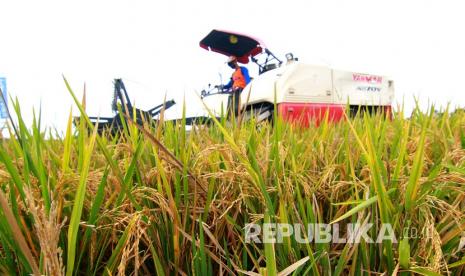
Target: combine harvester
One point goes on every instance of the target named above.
(303, 93)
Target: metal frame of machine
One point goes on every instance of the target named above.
(121, 105)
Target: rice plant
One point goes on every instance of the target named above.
(161, 200)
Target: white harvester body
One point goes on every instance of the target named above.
(301, 92)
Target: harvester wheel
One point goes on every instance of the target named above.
(260, 114)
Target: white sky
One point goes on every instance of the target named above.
(153, 46)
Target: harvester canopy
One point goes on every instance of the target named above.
(232, 44)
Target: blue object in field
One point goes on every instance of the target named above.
(3, 105)
(245, 73)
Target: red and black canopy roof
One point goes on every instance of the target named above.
(232, 44)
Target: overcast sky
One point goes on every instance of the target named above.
(153, 46)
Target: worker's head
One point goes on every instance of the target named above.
(232, 62)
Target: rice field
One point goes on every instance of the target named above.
(160, 200)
